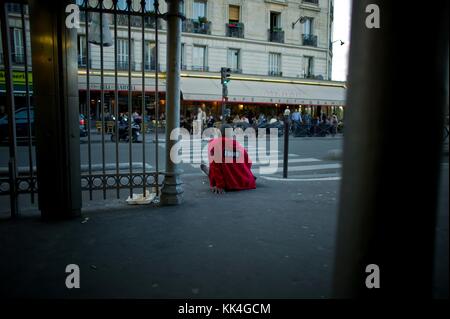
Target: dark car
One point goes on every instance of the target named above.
(22, 125)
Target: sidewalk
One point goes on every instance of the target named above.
(273, 242)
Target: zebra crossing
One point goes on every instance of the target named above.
(271, 163)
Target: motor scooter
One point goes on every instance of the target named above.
(123, 131)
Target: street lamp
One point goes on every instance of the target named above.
(342, 42)
(301, 20)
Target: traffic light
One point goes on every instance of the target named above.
(225, 75)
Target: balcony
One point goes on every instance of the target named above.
(82, 62)
(151, 66)
(202, 68)
(123, 65)
(196, 26)
(235, 30)
(276, 35)
(309, 40)
(316, 2)
(313, 76)
(275, 73)
(18, 58)
(136, 21)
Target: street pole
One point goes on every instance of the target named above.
(223, 109)
(286, 146)
(172, 190)
(389, 191)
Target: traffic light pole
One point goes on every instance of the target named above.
(223, 109)
(224, 79)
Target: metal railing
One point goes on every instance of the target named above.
(19, 122)
(311, 1)
(133, 175)
(275, 73)
(235, 30)
(151, 66)
(276, 35)
(309, 40)
(196, 26)
(82, 62)
(107, 165)
(18, 58)
(202, 68)
(136, 21)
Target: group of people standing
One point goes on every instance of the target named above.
(311, 126)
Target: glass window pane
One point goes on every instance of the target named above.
(199, 9)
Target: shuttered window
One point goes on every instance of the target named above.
(234, 13)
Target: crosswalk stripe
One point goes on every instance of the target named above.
(314, 167)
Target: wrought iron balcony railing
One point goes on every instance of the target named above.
(311, 1)
(202, 68)
(235, 30)
(151, 66)
(136, 21)
(276, 35)
(309, 40)
(82, 62)
(123, 65)
(275, 73)
(196, 26)
(18, 58)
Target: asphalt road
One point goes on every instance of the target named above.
(276, 241)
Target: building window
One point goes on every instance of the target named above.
(234, 60)
(235, 28)
(150, 56)
(308, 37)
(199, 58)
(275, 64)
(17, 53)
(275, 20)
(122, 4)
(122, 54)
(82, 57)
(276, 33)
(234, 14)
(183, 65)
(312, 1)
(308, 26)
(308, 70)
(199, 10)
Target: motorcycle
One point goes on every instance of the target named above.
(279, 125)
(123, 131)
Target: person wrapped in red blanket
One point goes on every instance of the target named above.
(229, 164)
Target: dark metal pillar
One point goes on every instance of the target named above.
(11, 109)
(398, 81)
(55, 86)
(172, 190)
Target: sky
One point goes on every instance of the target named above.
(341, 31)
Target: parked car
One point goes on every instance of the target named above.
(22, 125)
